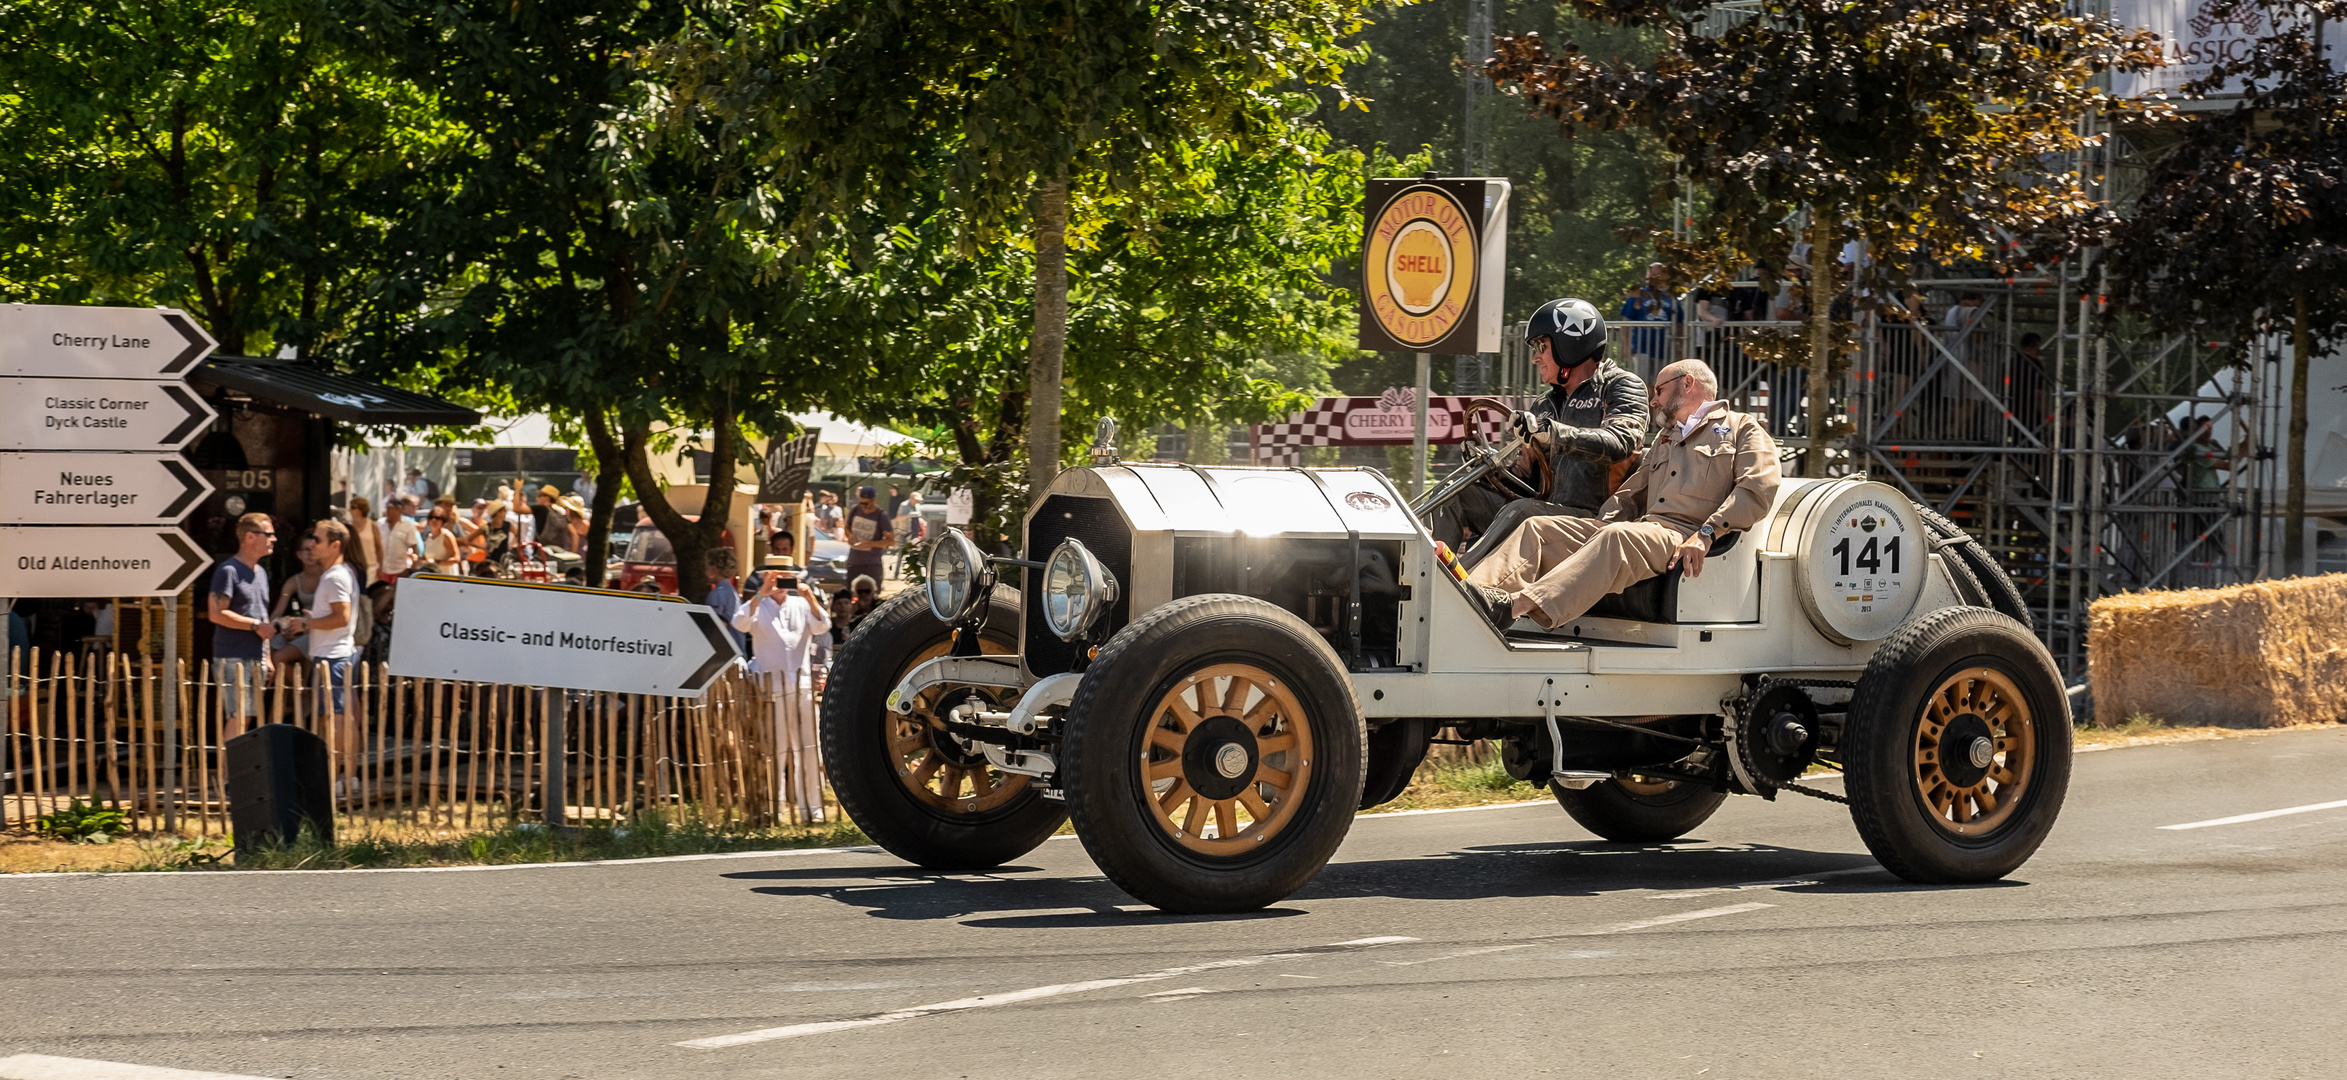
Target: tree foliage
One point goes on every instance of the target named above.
(223, 157)
(1008, 111)
(1928, 129)
(2241, 228)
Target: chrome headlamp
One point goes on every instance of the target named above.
(959, 577)
(1077, 590)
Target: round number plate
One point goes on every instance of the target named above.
(1862, 562)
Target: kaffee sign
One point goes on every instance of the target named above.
(1432, 257)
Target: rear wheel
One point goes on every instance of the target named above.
(1957, 748)
(1638, 810)
(1213, 755)
(915, 789)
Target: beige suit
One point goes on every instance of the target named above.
(1723, 474)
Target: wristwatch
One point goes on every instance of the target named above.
(1706, 532)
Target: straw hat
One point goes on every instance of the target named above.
(778, 562)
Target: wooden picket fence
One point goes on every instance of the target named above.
(413, 752)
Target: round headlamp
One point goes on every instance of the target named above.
(1077, 590)
(958, 575)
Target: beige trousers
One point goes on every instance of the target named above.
(797, 749)
(1565, 564)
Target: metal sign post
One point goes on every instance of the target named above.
(1418, 427)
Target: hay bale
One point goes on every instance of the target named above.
(2266, 654)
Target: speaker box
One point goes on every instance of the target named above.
(278, 777)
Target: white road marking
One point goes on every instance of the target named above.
(1013, 997)
(1777, 883)
(44, 1067)
(1454, 955)
(1177, 995)
(2260, 815)
(1684, 916)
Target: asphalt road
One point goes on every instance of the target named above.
(1499, 942)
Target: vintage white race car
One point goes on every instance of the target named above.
(1211, 669)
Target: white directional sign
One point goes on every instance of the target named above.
(97, 489)
(477, 629)
(100, 342)
(99, 414)
(118, 560)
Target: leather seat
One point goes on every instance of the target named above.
(1656, 599)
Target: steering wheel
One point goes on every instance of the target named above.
(1500, 474)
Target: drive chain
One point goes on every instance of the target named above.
(1815, 793)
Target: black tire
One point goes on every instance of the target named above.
(1115, 728)
(1934, 690)
(1395, 751)
(1995, 586)
(856, 729)
(1631, 815)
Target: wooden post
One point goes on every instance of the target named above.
(557, 745)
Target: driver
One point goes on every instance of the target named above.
(1590, 423)
(1711, 471)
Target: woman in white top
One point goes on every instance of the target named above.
(783, 621)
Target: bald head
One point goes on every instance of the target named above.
(1680, 388)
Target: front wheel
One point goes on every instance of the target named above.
(1213, 755)
(1636, 810)
(917, 790)
(1957, 748)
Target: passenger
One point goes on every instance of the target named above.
(1710, 471)
(1590, 425)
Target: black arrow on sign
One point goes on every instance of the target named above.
(720, 647)
(195, 414)
(194, 556)
(198, 346)
(195, 487)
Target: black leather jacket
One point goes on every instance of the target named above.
(1602, 423)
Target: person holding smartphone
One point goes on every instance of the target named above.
(783, 619)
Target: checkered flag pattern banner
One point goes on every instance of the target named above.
(1324, 425)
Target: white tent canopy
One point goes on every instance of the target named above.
(839, 438)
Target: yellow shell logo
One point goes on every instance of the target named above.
(1419, 266)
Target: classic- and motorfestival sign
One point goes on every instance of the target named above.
(486, 630)
(1432, 257)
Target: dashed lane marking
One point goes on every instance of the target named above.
(2260, 815)
(1684, 916)
(988, 1001)
(1773, 883)
(44, 1067)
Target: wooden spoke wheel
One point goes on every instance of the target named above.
(1227, 755)
(1213, 755)
(914, 788)
(1957, 747)
(943, 772)
(1974, 748)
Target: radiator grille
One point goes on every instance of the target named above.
(1096, 523)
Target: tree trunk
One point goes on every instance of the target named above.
(1047, 353)
(1822, 249)
(2294, 457)
(610, 468)
(690, 540)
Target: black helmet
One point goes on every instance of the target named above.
(1574, 329)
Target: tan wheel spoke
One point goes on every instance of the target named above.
(949, 782)
(1224, 690)
(981, 785)
(1985, 799)
(928, 769)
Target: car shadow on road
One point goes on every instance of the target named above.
(1026, 897)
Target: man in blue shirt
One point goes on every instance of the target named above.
(239, 613)
(724, 598)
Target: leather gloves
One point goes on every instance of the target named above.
(1532, 427)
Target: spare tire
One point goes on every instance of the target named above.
(1996, 586)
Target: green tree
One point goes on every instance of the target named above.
(589, 245)
(1012, 110)
(1927, 129)
(220, 157)
(2242, 223)
(1573, 198)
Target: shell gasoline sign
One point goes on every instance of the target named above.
(1426, 267)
